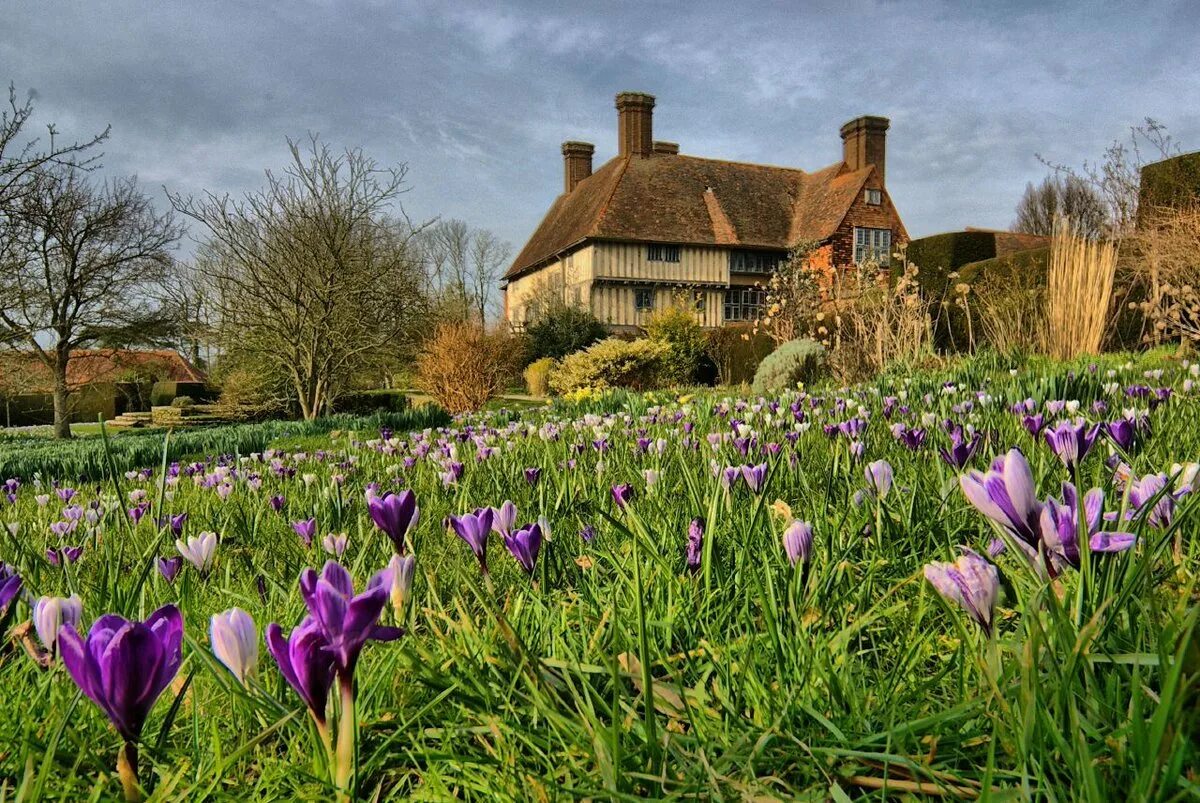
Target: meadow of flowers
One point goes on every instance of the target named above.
(980, 583)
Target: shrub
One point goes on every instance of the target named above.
(463, 366)
(795, 361)
(183, 401)
(737, 350)
(677, 328)
(537, 376)
(612, 363)
(560, 330)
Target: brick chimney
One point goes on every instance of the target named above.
(864, 142)
(635, 129)
(662, 148)
(577, 163)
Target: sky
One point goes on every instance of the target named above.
(476, 99)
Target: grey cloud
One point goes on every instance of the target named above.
(476, 97)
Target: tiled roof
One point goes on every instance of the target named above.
(687, 199)
(95, 366)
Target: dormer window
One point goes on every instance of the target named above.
(874, 197)
(662, 253)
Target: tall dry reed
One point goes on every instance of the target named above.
(1079, 292)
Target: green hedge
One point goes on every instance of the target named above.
(1024, 264)
(366, 402)
(84, 459)
(941, 254)
(163, 393)
(1171, 182)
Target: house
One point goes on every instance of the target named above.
(103, 382)
(652, 224)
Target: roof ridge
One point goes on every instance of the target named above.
(740, 162)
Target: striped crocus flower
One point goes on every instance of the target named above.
(1072, 440)
(1006, 495)
(971, 582)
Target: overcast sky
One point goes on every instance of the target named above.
(476, 99)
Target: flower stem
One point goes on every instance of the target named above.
(347, 732)
(127, 762)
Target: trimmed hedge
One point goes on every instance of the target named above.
(163, 393)
(366, 402)
(966, 253)
(1025, 264)
(1170, 183)
(941, 254)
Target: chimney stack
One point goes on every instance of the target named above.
(577, 163)
(635, 130)
(864, 142)
(665, 148)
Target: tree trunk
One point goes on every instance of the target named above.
(62, 409)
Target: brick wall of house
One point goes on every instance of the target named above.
(881, 216)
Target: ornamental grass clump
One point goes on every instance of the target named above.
(1079, 292)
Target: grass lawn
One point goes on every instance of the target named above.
(656, 619)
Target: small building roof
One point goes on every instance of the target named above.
(97, 366)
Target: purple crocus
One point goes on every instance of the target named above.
(755, 477)
(1034, 424)
(277, 502)
(177, 522)
(1072, 440)
(123, 666)
(347, 620)
(797, 541)
(971, 582)
(10, 587)
(695, 545)
(306, 529)
(474, 528)
(59, 557)
(395, 514)
(962, 448)
(1005, 494)
(306, 662)
(1060, 527)
(622, 494)
(169, 567)
(524, 544)
(532, 476)
(1149, 496)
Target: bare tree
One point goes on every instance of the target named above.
(1062, 196)
(1117, 176)
(463, 266)
(311, 279)
(489, 256)
(187, 302)
(77, 265)
(21, 154)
